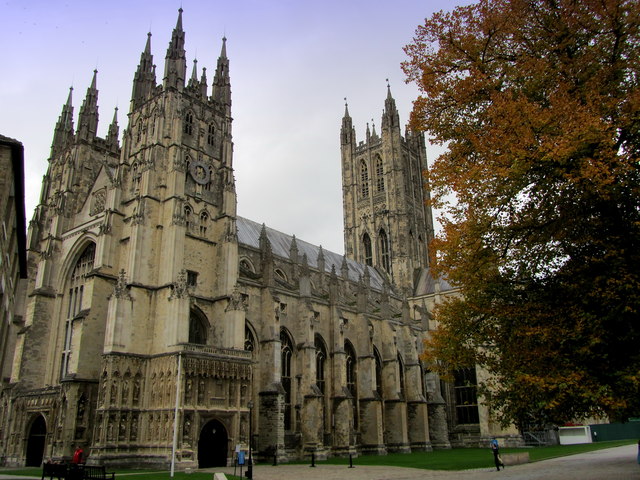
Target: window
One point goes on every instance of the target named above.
(74, 301)
(364, 180)
(211, 135)
(351, 377)
(281, 275)
(204, 219)
(401, 376)
(188, 123)
(246, 265)
(379, 174)
(368, 255)
(249, 340)
(384, 250)
(192, 278)
(197, 328)
(188, 219)
(286, 351)
(321, 357)
(464, 386)
(378, 360)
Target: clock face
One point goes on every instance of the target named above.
(199, 172)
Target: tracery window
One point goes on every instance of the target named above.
(197, 328)
(211, 135)
(379, 174)
(401, 376)
(74, 302)
(249, 340)
(378, 361)
(368, 253)
(321, 358)
(465, 388)
(188, 123)
(351, 377)
(204, 219)
(364, 180)
(188, 219)
(384, 250)
(286, 352)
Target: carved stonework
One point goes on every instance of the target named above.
(179, 288)
(237, 301)
(121, 290)
(98, 201)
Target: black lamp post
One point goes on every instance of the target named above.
(249, 472)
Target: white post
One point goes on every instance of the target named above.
(175, 416)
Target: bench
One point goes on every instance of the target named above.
(96, 472)
(515, 458)
(57, 470)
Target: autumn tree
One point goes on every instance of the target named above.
(538, 104)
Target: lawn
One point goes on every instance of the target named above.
(456, 459)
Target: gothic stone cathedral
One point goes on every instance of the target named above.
(151, 303)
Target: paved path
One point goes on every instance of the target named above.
(610, 464)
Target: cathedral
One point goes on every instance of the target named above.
(160, 326)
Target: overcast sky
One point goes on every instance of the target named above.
(292, 63)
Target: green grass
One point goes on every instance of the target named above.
(456, 459)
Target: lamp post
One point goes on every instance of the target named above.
(249, 473)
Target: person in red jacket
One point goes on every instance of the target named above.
(77, 456)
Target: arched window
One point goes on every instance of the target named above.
(204, 220)
(379, 174)
(246, 265)
(401, 377)
(352, 379)
(464, 386)
(74, 301)
(368, 254)
(249, 340)
(384, 250)
(280, 274)
(286, 352)
(188, 123)
(364, 180)
(321, 358)
(211, 135)
(197, 328)
(378, 361)
(188, 219)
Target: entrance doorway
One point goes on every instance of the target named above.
(35, 442)
(213, 445)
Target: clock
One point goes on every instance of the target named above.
(199, 172)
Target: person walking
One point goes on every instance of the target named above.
(495, 448)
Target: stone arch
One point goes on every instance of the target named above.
(198, 326)
(286, 375)
(250, 338)
(378, 366)
(36, 438)
(246, 264)
(351, 378)
(213, 445)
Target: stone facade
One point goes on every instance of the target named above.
(156, 317)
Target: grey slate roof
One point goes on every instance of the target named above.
(249, 234)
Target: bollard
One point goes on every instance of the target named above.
(350, 460)
(275, 459)
(313, 459)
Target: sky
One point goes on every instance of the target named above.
(292, 64)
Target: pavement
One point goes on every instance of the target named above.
(610, 464)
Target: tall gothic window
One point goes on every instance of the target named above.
(379, 174)
(378, 360)
(464, 386)
(384, 250)
(188, 219)
(204, 220)
(286, 352)
(364, 180)
(188, 123)
(211, 135)
(368, 254)
(249, 340)
(401, 377)
(321, 358)
(74, 301)
(352, 379)
(197, 328)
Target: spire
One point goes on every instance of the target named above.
(193, 81)
(293, 250)
(144, 80)
(221, 92)
(114, 130)
(175, 63)
(347, 133)
(320, 259)
(390, 116)
(203, 83)
(88, 117)
(63, 132)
